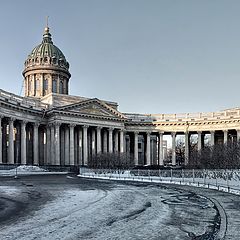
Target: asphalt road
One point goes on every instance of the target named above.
(68, 207)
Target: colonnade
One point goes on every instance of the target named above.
(60, 143)
(56, 143)
(215, 137)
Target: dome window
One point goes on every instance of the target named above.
(54, 60)
(45, 84)
(37, 84)
(61, 87)
(54, 86)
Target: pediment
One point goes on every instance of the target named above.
(94, 107)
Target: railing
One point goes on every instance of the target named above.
(225, 180)
(230, 113)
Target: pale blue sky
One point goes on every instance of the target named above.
(150, 56)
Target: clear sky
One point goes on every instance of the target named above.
(150, 56)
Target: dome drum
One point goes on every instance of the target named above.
(46, 69)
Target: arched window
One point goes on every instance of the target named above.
(45, 84)
(54, 85)
(37, 84)
(61, 87)
(29, 85)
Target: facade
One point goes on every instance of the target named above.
(50, 127)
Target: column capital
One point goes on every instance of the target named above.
(24, 122)
(136, 132)
(161, 132)
(148, 133)
(72, 125)
(225, 130)
(173, 134)
(99, 128)
(199, 132)
(36, 124)
(212, 131)
(85, 126)
(57, 124)
(110, 129)
(1, 116)
(11, 119)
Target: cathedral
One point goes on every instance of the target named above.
(48, 126)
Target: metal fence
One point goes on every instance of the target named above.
(220, 179)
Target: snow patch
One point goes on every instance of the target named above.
(24, 168)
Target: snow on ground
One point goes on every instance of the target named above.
(123, 212)
(231, 184)
(10, 190)
(26, 170)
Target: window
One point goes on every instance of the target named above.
(61, 87)
(45, 84)
(37, 84)
(29, 85)
(54, 86)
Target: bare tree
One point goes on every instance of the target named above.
(221, 156)
(111, 161)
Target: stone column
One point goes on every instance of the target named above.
(93, 142)
(35, 144)
(4, 142)
(186, 148)
(116, 141)
(122, 141)
(57, 143)
(225, 136)
(52, 160)
(110, 140)
(62, 145)
(71, 148)
(199, 140)
(238, 135)
(99, 145)
(66, 153)
(160, 149)
(136, 148)
(1, 157)
(148, 159)
(85, 145)
(212, 138)
(11, 142)
(48, 144)
(80, 145)
(173, 148)
(104, 141)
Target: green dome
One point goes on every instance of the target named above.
(47, 53)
